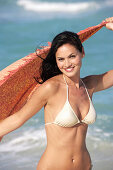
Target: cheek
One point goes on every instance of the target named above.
(77, 61)
(59, 64)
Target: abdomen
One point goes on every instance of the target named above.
(64, 160)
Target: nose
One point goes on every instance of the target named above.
(67, 63)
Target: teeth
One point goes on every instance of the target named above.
(68, 69)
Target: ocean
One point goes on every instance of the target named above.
(27, 24)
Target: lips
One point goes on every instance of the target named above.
(69, 69)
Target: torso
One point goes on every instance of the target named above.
(66, 148)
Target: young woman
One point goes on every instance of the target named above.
(68, 108)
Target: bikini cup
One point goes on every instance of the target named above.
(68, 118)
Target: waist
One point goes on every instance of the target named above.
(72, 144)
(66, 160)
(68, 149)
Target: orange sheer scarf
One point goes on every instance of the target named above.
(17, 80)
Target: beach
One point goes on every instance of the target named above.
(29, 24)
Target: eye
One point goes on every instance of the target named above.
(60, 59)
(72, 56)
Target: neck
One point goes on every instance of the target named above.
(73, 81)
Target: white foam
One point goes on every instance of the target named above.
(57, 6)
(98, 130)
(27, 140)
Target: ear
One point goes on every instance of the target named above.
(83, 52)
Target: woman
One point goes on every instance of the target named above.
(67, 105)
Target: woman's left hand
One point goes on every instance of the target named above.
(110, 24)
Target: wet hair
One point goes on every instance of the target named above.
(49, 66)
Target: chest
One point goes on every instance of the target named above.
(78, 99)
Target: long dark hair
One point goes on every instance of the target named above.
(49, 66)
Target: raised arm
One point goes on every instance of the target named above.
(105, 80)
(38, 99)
(102, 81)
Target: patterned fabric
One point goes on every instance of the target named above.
(17, 81)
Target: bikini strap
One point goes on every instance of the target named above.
(85, 88)
(66, 85)
(83, 85)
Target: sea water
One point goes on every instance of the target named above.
(27, 24)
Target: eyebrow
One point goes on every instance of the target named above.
(67, 56)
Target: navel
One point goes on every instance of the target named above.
(73, 160)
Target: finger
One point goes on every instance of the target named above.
(109, 19)
(109, 26)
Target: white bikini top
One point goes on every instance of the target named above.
(68, 118)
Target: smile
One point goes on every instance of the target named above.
(69, 69)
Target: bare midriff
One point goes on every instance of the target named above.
(66, 149)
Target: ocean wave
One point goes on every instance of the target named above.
(27, 140)
(100, 131)
(61, 7)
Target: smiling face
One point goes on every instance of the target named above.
(69, 60)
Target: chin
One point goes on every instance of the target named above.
(70, 74)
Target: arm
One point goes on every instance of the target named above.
(100, 82)
(103, 81)
(38, 99)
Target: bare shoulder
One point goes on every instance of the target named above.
(42, 93)
(50, 86)
(90, 82)
(99, 82)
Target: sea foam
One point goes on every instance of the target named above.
(27, 140)
(57, 6)
(63, 7)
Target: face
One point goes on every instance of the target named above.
(69, 60)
